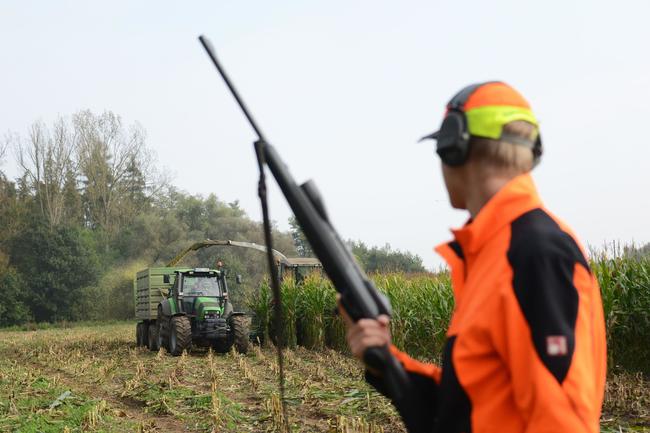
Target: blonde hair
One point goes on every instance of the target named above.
(502, 155)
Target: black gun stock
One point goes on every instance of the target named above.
(359, 296)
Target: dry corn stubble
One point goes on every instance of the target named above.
(317, 379)
(274, 409)
(345, 424)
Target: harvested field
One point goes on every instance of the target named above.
(116, 387)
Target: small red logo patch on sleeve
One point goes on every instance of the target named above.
(556, 345)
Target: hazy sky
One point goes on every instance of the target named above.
(344, 89)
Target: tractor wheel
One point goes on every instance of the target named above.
(180, 335)
(241, 333)
(139, 335)
(152, 337)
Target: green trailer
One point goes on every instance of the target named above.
(150, 289)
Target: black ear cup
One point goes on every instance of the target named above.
(453, 139)
(538, 149)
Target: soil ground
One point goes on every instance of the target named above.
(94, 379)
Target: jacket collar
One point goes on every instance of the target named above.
(515, 198)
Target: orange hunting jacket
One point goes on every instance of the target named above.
(525, 348)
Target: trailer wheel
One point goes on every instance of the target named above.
(162, 324)
(241, 333)
(161, 335)
(180, 335)
(139, 335)
(152, 337)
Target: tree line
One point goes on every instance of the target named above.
(90, 207)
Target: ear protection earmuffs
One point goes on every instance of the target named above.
(453, 138)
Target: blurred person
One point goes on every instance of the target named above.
(525, 348)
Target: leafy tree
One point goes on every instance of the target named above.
(385, 259)
(55, 265)
(13, 310)
(299, 239)
(152, 236)
(10, 210)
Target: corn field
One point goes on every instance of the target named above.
(625, 286)
(423, 303)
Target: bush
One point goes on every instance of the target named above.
(112, 297)
(55, 264)
(13, 310)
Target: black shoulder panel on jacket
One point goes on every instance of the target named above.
(543, 259)
(455, 246)
(455, 408)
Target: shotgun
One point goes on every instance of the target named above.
(359, 296)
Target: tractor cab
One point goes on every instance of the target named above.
(201, 293)
(197, 309)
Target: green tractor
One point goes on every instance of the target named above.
(192, 309)
(179, 307)
(199, 311)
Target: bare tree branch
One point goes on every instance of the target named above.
(4, 146)
(109, 161)
(45, 159)
(114, 162)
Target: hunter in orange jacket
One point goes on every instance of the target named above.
(525, 348)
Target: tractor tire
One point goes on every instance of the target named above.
(180, 335)
(152, 337)
(140, 336)
(241, 333)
